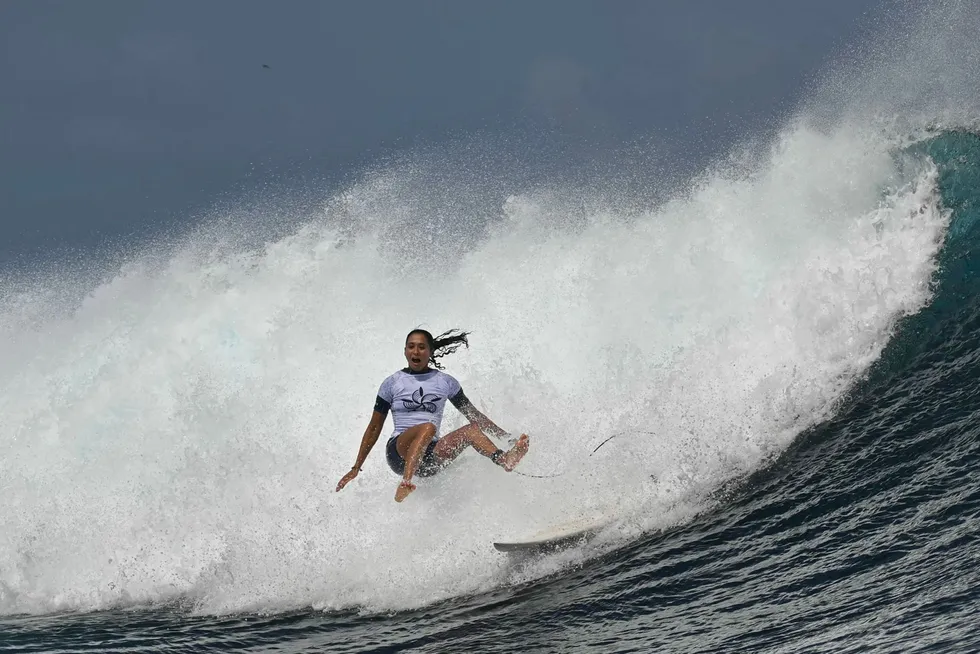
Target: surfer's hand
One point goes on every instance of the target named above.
(346, 478)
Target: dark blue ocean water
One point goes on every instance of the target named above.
(862, 536)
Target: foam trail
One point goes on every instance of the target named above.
(177, 433)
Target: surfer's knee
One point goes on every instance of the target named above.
(426, 431)
(419, 433)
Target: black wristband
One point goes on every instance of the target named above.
(495, 457)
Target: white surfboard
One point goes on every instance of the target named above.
(556, 538)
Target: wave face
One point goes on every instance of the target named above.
(784, 354)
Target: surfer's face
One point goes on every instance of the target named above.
(417, 352)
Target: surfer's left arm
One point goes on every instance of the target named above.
(475, 416)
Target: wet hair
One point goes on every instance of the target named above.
(443, 344)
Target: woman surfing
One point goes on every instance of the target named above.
(416, 397)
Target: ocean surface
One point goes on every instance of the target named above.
(780, 360)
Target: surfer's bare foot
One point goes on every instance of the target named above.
(509, 460)
(404, 490)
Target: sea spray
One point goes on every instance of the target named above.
(176, 434)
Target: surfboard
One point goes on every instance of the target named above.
(555, 538)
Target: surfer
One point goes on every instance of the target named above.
(416, 396)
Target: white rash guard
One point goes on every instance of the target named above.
(417, 398)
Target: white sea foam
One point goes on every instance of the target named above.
(176, 432)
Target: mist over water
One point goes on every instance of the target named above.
(174, 432)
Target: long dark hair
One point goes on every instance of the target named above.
(443, 344)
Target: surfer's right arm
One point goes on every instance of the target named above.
(367, 442)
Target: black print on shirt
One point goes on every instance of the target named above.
(421, 402)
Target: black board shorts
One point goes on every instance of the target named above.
(428, 466)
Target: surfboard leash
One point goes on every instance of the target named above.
(617, 434)
(559, 474)
(524, 474)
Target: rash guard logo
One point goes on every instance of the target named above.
(421, 401)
